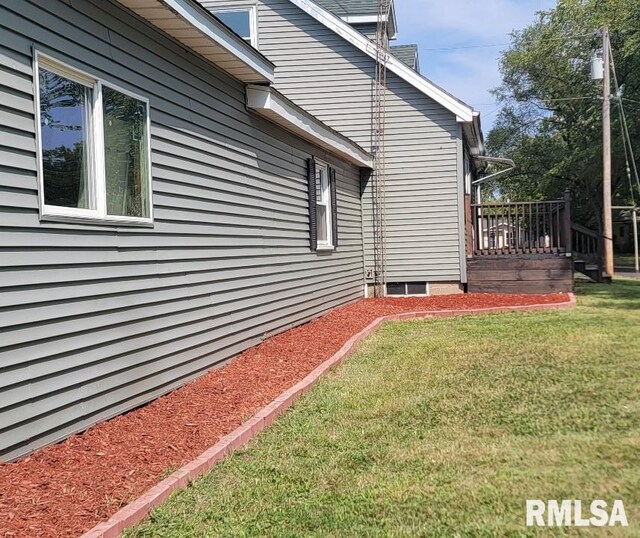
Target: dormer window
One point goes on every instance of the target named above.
(242, 21)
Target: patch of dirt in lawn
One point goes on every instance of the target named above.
(65, 489)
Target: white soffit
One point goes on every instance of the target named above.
(373, 19)
(198, 30)
(267, 102)
(463, 112)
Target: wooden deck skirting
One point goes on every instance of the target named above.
(521, 274)
(137, 510)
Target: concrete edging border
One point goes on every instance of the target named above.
(137, 510)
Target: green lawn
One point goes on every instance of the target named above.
(625, 260)
(444, 428)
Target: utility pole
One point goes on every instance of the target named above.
(635, 239)
(607, 221)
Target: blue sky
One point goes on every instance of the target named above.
(468, 73)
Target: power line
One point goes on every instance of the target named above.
(492, 112)
(625, 125)
(495, 45)
(559, 99)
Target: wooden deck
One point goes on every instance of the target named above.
(529, 247)
(520, 247)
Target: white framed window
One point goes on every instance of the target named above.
(242, 20)
(94, 158)
(323, 206)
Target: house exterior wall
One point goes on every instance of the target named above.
(329, 77)
(96, 320)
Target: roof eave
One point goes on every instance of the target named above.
(269, 103)
(463, 112)
(473, 134)
(373, 18)
(197, 29)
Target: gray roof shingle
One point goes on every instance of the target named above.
(407, 54)
(342, 8)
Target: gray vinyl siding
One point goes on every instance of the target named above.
(96, 320)
(332, 79)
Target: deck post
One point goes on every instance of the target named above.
(468, 223)
(567, 223)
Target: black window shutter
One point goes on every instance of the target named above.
(313, 216)
(334, 206)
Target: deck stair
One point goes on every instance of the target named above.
(587, 251)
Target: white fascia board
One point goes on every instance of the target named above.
(267, 102)
(393, 23)
(463, 112)
(374, 19)
(362, 19)
(223, 37)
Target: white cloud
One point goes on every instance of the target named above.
(468, 73)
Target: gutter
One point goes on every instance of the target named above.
(494, 160)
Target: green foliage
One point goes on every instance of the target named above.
(551, 121)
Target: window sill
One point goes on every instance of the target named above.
(325, 248)
(97, 221)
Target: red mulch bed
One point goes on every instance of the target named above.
(65, 489)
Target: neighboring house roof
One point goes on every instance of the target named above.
(197, 29)
(350, 7)
(407, 54)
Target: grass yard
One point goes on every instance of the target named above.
(625, 260)
(443, 428)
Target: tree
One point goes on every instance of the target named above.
(551, 117)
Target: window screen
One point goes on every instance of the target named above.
(417, 288)
(395, 288)
(65, 127)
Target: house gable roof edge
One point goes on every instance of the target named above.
(250, 65)
(464, 113)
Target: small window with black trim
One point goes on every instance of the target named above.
(323, 211)
(323, 205)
